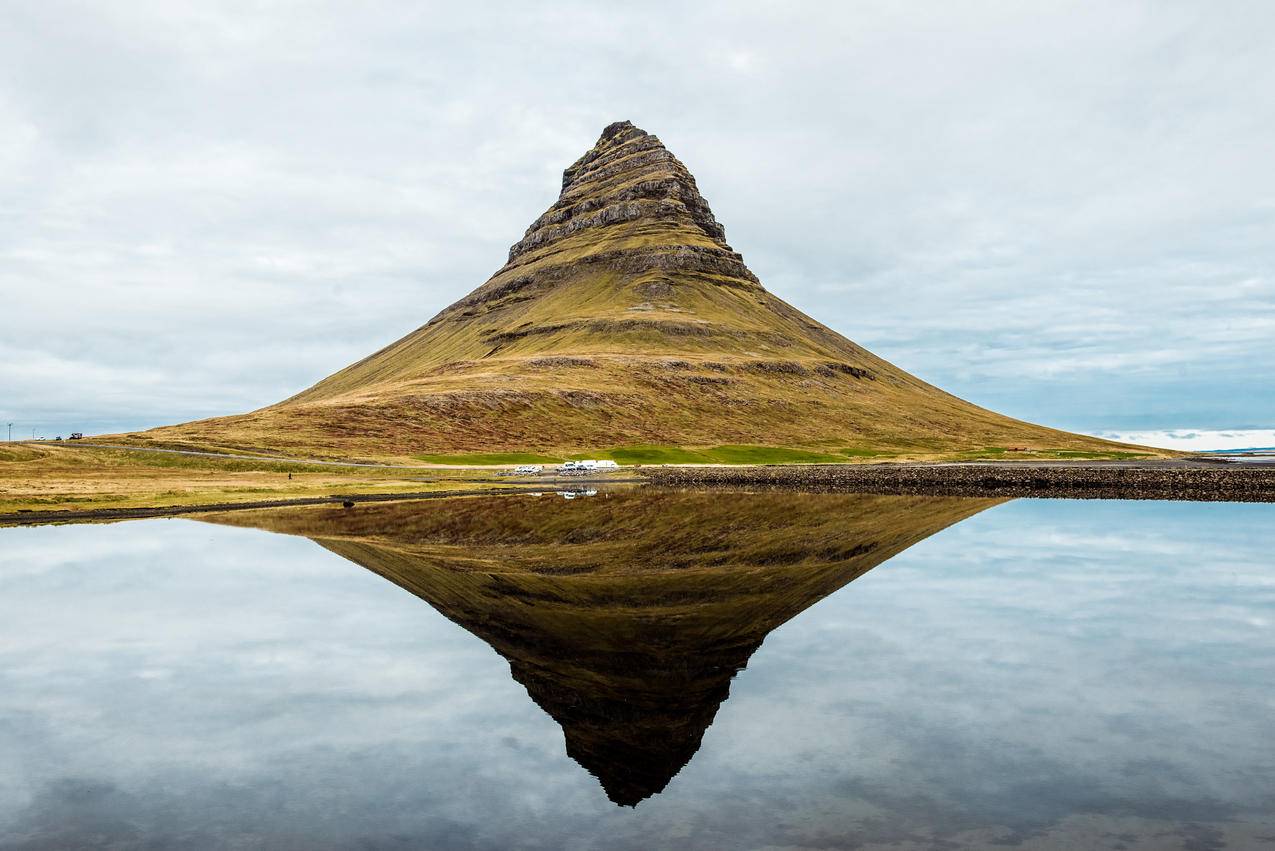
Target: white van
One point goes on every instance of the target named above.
(607, 465)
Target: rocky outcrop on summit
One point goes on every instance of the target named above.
(627, 175)
(628, 269)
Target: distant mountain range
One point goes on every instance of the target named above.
(622, 318)
(1241, 451)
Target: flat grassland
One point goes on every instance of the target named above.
(41, 477)
(45, 477)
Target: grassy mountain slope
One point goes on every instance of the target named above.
(622, 317)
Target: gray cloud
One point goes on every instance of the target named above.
(1066, 212)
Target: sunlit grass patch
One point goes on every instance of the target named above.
(7, 454)
(490, 458)
(725, 454)
(770, 455)
(648, 454)
(227, 464)
(853, 452)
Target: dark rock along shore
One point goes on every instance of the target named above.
(1175, 480)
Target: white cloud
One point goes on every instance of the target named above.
(1197, 439)
(1066, 212)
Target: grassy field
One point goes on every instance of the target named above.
(35, 477)
(482, 459)
(43, 477)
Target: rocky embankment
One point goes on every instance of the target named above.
(1178, 480)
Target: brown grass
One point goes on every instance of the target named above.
(35, 478)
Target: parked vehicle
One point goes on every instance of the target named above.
(588, 465)
(528, 470)
(77, 435)
(576, 494)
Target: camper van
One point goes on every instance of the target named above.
(587, 466)
(528, 470)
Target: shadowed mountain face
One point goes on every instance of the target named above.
(624, 615)
(621, 317)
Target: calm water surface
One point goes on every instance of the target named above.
(645, 671)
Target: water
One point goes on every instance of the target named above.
(519, 673)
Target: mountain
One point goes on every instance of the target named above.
(627, 615)
(621, 318)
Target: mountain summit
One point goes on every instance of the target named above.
(622, 317)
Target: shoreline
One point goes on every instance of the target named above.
(1188, 480)
(1179, 480)
(55, 517)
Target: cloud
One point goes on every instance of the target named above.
(1198, 440)
(1065, 213)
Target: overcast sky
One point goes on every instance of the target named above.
(1065, 211)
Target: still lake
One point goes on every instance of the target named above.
(644, 670)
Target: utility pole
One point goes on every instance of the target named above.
(11, 432)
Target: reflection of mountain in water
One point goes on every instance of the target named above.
(625, 616)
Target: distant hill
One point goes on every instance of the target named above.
(1240, 451)
(623, 318)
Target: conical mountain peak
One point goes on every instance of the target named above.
(614, 136)
(628, 176)
(621, 317)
